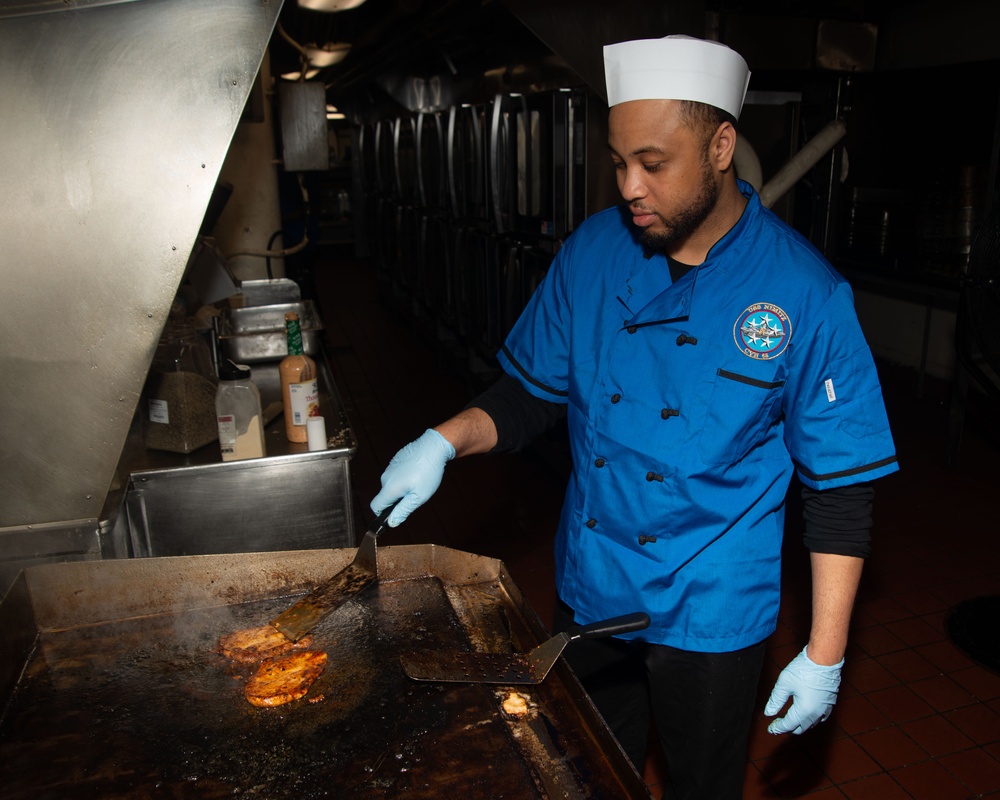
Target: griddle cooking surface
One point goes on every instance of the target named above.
(145, 708)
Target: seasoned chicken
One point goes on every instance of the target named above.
(250, 645)
(285, 678)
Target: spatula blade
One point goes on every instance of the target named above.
(512, 668)
(297, 621)
(502, 668)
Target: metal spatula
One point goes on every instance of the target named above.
(326, 598)
(512, 668)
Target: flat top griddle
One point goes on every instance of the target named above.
(143, 707)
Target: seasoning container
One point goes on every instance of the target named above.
(316, 433)
(299, 383)
(179, 396)
(237, 410)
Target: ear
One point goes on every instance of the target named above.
(723, 146)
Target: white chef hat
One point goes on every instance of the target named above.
(676, 68)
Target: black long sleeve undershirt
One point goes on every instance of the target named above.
(518, 415)
(837, 520)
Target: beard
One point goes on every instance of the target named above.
(687, 221)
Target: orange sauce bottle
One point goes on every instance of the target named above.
(299, 383)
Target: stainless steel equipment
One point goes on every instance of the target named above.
(116, 692)
(117, 119)
(257, 333)
(290, 499)
(270, 291)
(512, 668)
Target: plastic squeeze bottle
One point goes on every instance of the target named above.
(237, 409)
(299, 384)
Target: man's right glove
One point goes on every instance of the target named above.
(413, 475)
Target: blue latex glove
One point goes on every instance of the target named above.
(413, 475)
(813, 688)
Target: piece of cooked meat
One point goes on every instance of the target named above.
(515, 704)
(285, 678)
(255, 644)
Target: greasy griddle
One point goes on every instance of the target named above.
(143, 707)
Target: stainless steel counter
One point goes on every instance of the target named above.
(291, 499)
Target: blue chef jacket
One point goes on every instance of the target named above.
(689, 405)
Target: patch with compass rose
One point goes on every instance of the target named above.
(762, 331)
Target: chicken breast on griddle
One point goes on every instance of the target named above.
(251, 645)
(285, 678)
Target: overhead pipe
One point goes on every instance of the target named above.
(804, 160)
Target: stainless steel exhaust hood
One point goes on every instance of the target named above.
(117, 117)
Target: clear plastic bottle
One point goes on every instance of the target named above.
(178, 403)
(237, 408)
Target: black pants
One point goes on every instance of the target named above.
(701, 703)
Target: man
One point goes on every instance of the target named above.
(702, 351)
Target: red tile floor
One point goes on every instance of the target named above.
(916, 717)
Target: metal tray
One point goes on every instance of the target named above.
(292, 499)
(112, 689)
(257, 333)
(270, 291)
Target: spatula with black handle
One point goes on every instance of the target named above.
(326, 598)
(512, 668)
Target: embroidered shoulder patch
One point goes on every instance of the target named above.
(762, 331)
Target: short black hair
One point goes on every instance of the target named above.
(705, 118)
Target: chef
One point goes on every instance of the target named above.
(703, 352)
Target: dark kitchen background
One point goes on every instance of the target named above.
(406, 170)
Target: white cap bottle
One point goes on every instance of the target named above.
(237, 409)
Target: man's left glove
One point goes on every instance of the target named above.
(813, 689)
